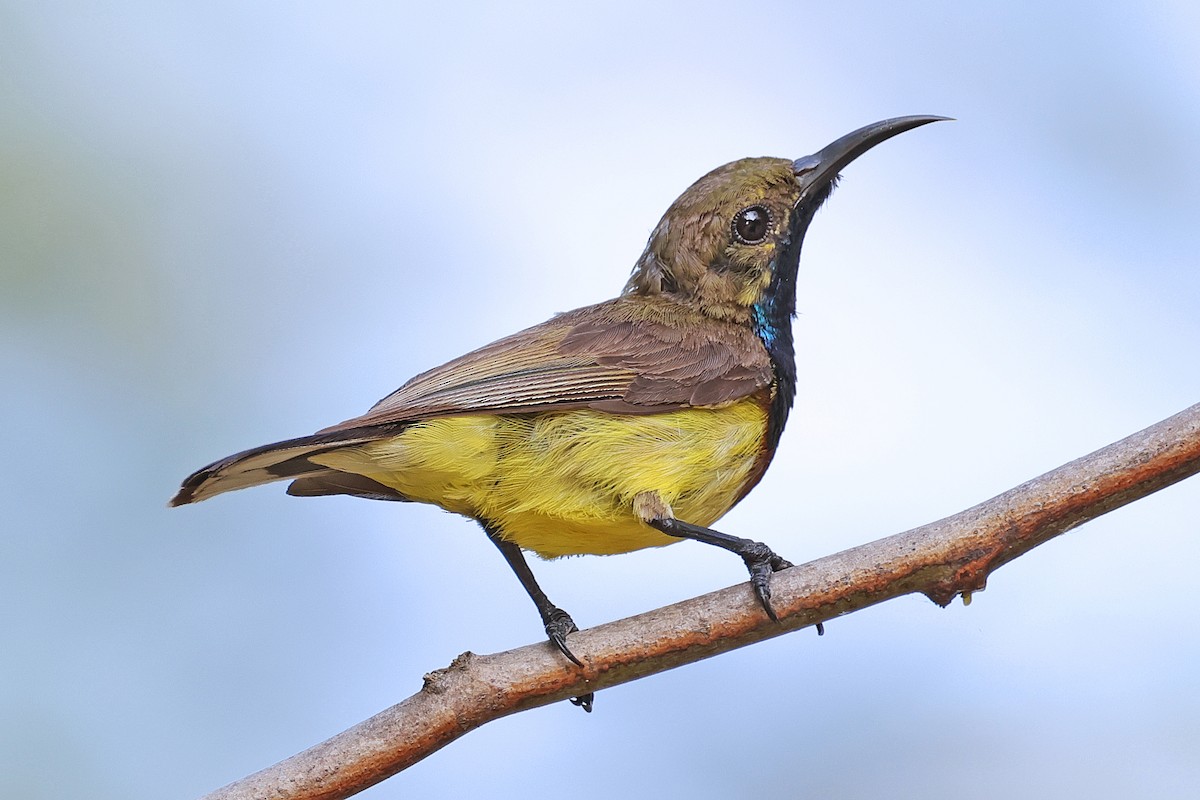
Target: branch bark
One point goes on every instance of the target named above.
(943, 559)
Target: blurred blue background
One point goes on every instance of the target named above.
(223, 224)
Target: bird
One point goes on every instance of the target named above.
(633, 423)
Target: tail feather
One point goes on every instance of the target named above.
(273, 462)
(330, 481)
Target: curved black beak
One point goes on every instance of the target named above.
(816, 171)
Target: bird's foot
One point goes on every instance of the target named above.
(761, 561)
(558, 625)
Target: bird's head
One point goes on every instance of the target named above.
(731, 243)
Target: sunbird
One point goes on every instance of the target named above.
(637, 422)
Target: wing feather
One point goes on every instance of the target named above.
(621, 357)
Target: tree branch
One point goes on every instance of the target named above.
(942, 559)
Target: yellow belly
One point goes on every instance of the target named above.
(563, 483)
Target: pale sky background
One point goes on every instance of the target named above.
(223, 224)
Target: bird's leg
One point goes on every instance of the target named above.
(558, 623)
(760, 560)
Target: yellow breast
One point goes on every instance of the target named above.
(563, 483)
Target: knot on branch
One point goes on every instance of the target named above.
(969, 577)
(437, 682)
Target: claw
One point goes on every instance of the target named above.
(558, 625)
(766, 604)
(761, 561)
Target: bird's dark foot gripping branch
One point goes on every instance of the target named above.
(633, 423)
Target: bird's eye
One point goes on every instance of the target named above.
(752, 224)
